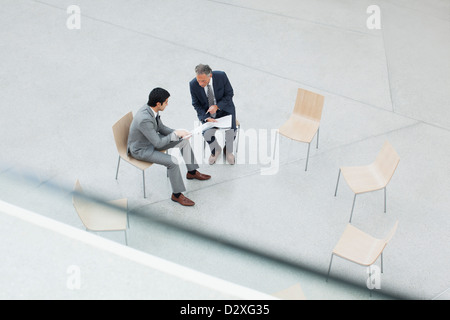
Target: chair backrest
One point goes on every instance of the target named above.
(309, 104)
(386, 162)
(121, 130)
(80, 204)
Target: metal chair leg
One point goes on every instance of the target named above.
(353, 206)
(237, 142)
(337, 183)
(317, 142)
(329, 267)
(307, 157)
(117, 171)
(224, 146)
(203, 150)
(128, 220)
(143, 181)
(126, 238)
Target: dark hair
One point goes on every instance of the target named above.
(157, 95)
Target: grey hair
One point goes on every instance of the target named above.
(203, 69)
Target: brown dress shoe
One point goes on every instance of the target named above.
(198, 176)
(183, 200)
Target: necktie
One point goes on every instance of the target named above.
(211, 98)
(157, 120)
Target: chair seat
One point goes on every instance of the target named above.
(294, 292)
(363, 178)
(359, 247)
(299, 128)
(137, 163)
(105, 218)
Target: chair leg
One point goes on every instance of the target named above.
(126, 238)
(117, 171)
(203, 150)
(128, 220)
(143, 181)
(224, 145)
(329, 267)
(337, 183)
(307, 157)
(381, 262)
(317, 142)
(237, 142)
(353, 206)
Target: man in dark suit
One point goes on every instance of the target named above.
(149, 136)
(212, 98)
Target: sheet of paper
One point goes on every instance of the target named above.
(223, 123)
(199, 129)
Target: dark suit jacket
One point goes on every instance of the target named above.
(223, 92)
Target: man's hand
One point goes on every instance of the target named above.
(182, 133)
(211, 120)
(213, 109)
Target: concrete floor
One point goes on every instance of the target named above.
(63, 90)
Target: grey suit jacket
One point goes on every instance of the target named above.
(147, 135)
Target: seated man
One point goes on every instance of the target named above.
(212, 98)
(148, 136)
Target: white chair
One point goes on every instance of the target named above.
(121, 130)
(304, 122)
(96, 216)
(359, 247)
(375, 176)
(294, 292)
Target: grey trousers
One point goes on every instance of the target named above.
(209, 136)
(171, 162)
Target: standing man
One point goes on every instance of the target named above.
(212, 98)
(148, 136)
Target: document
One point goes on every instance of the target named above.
(200, 129)
(221, 123)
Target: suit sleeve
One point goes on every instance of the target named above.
(226, 102)
(148, 129)
(199, 108)
(164, 130)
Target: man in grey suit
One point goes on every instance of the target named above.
(148, 136)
